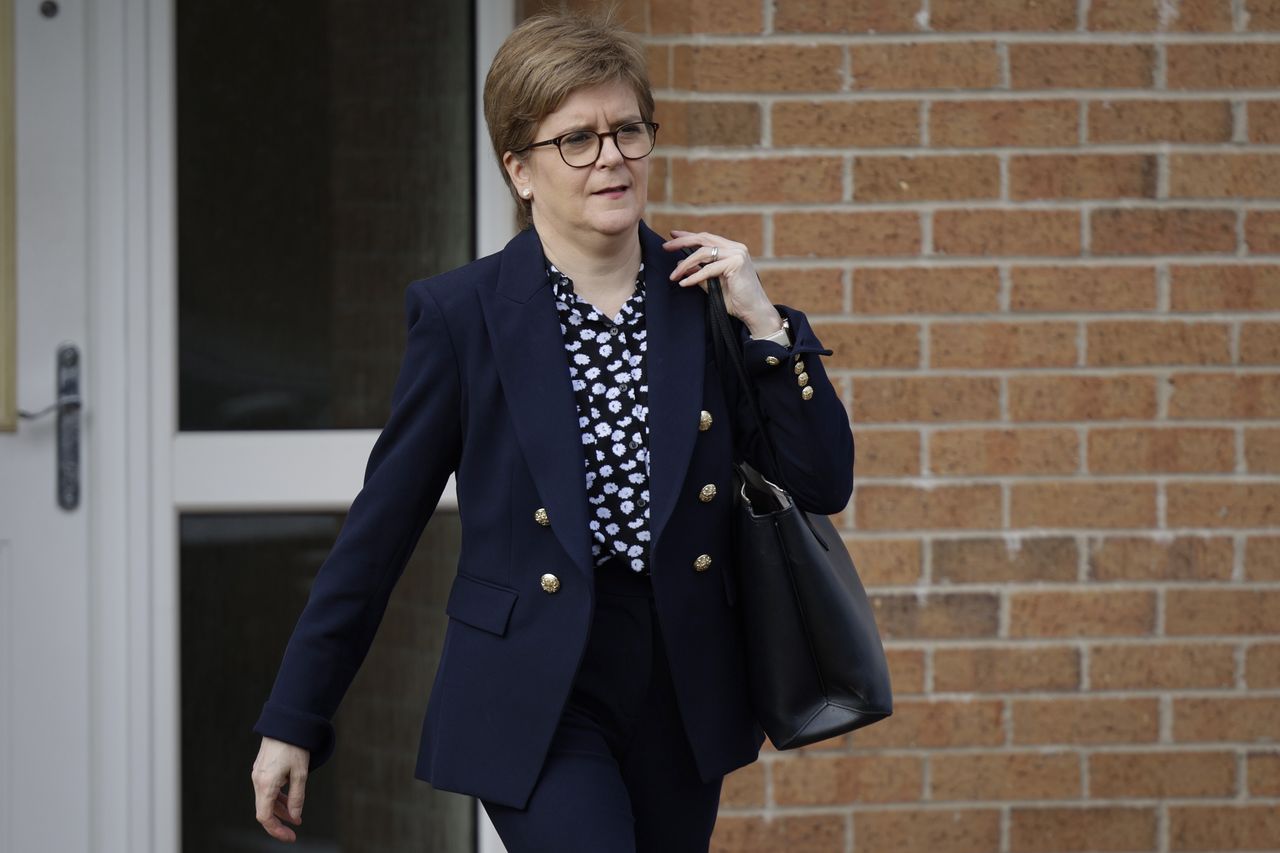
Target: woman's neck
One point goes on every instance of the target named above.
(605, 267)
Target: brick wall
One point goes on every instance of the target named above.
(1043, 237)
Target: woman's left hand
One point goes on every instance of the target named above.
(744, 296)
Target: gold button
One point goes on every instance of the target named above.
(704, 421)
(702, 563)
(771, 360)
(550, 583)
(802, 379)
(708, 492)
(540, 516)
(799, 365)
(807, 392)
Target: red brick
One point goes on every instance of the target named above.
(1160, 121)
(936, 724)
(1219, 396)
(989, 560)
(1223, 66)
(1185, 558)
(1081, 398)
(841, 16)
(950, 615)
(911, 508)
(1082, 613)
(846, 234)
(1262, 558)
(1006, 669)
(846, 124)
(1091, 828)
(1262, 456)
(1007, 232)
(793, 833)
(756, 180)
(1223, 504)
(1229, 176)
(871, 346)
(1149, 342)
(982, 452)
(1161, 775)
(1163, 666)
(1262, 666)
(711, 123)
(925, 290)
(1264, 15)
(745, 228)
(705, 16)
(1053, 176)
(1161, 231)
(925, 178)
(1260, 343)
(838, 779)
(932, 65)
(1081, 66)
(985, 346)
(1226, 287)
(1005, 776)
(1262, 232)
(758, 68)
(886, 561)
(932, 830)
(1083, 504)
(1263, 118)
(1221, 611)
(1085, 720)
(1184, 16)
(1002, 15)
(1225, 827)
(930, 399)
(1234, 719)
(1076, 289)
(1137, 450)
(987, 124)
(887, 453)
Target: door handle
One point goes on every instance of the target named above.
(67, 406)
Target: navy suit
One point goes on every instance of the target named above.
(484, 391)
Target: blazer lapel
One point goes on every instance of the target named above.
(534, 370)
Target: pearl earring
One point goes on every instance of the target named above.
(526, 192)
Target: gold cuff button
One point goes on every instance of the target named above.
(807, 392)
(771, 360)
(704, 421)
(802, 379)
(799, 365)
(702, 563)
(707, 493)
(550, 583)
(540, 516)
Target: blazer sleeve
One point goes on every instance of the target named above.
(812, 437)
(406, 472)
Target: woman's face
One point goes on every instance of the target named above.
(567, 201)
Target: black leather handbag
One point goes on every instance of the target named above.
(815, 662)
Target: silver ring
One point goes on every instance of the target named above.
(715, 253)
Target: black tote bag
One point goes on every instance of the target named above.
(815, 662)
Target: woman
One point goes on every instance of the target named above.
(591, 690)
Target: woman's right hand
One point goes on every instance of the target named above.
(277, 763)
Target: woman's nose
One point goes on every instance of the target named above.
(609, 152)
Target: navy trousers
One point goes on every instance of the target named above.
(620, 776)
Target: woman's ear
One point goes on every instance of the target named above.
(518, 170)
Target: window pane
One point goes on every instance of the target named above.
(325, 160)
(244, 580)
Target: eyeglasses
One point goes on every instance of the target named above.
(581, 148)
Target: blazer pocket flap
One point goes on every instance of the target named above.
(481, 604)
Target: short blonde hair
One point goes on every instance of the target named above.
(544, 60)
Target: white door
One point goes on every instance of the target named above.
(45, 573)
(226, 413)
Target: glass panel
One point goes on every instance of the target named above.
(244, 580)
(325, 160)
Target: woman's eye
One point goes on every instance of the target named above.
(576, 139)
(630, 131)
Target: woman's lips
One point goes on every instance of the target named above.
(613, 192)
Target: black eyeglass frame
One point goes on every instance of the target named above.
(599, 143)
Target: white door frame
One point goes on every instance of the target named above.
(149, 473)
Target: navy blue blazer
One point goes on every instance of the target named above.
(484, 391)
